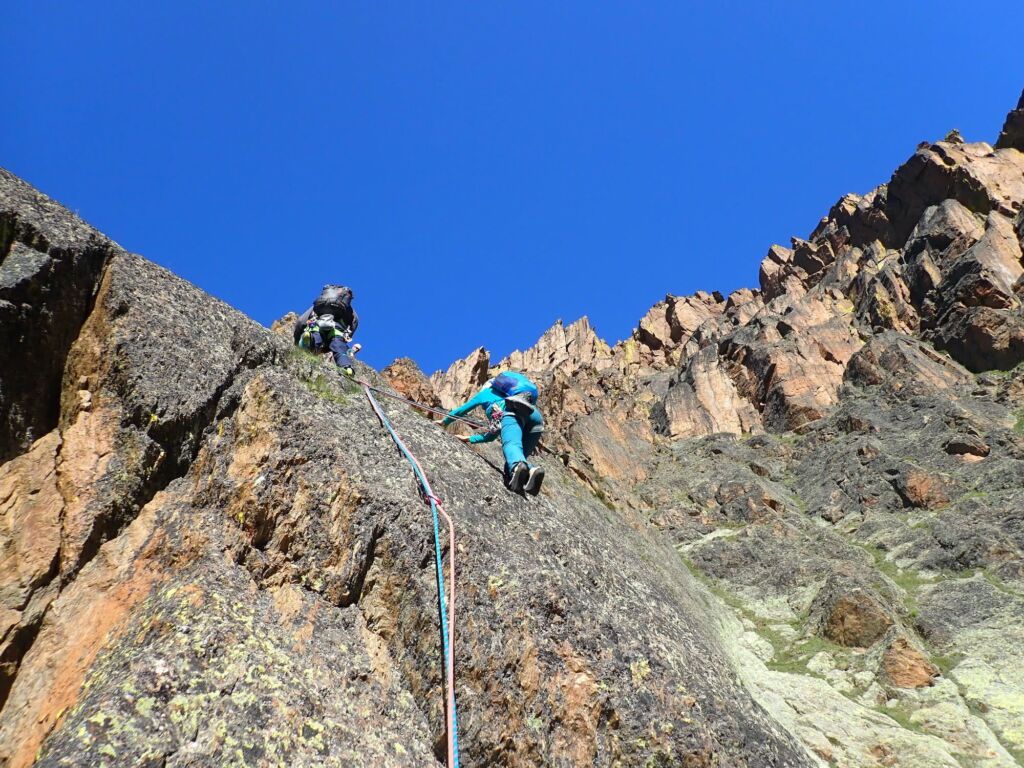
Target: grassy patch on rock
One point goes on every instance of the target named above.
(325, 389)
(902, 716)
(790, 654)
(794, 657)
(308, 369)
(907, 581)
(946, 662)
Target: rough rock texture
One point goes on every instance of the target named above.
(564, 349)
(50, 262)
(780, 528)
(907, 667)
(1012, 134)
(462, 379)
(230, 564)
(839, 458)
(407, 379)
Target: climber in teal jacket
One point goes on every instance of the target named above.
(510, 402)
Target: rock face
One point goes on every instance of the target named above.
(51, 262)
(407, 379)
(229, 563)
(1012, 135)
(839, 457)
(780, 527)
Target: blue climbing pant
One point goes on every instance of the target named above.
(337, 345)
(342, 357)
(520, 433)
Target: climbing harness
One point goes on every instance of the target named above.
(447, 620)
(494, 422)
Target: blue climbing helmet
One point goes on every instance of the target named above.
(510, 384)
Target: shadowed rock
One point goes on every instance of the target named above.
(1012, 134)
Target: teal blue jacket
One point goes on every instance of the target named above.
(487, 399)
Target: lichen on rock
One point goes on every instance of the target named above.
(779, 527)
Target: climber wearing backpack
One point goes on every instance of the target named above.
(510, 402)
(328, 325)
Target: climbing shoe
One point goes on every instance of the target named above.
(518, 476)
(348, 371)
(534, 481)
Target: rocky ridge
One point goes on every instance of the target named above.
(781, 528)
(229, 564)
(838, 457)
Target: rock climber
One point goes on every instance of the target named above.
(329, 325)
(510, 402)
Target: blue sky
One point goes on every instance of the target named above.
(478, 170)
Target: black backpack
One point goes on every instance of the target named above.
(335, 300)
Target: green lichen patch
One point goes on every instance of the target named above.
(225, 677)
(908, 581)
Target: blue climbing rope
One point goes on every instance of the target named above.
(446, 638)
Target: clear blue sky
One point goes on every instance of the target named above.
(478, 170)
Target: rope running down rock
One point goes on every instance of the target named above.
(447, 621)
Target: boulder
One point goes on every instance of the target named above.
(905, 666)
(850, 614)
(921, 489)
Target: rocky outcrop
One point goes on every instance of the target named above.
(1012, 135)
(980, 178)
(408, 380)
(838, 455)
(230, 563)
(562, 349)
(850, 614)
(777, 371)
(706, 401)
(51, 260)
(462, 379)
(663, 336)
(979, 318)
(848, 551)
(779, 528)
(907, 667)
(30, 507)
(934, 253)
